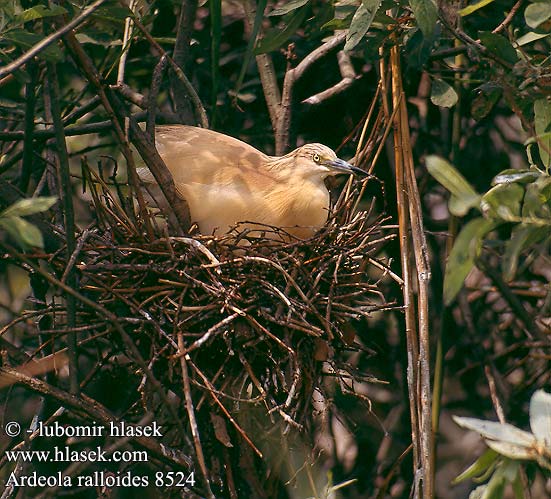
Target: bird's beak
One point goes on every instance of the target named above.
(341, 166)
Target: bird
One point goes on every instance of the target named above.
(226, 181)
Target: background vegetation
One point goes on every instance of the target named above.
(457, 93)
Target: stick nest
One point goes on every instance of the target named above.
(229, 330)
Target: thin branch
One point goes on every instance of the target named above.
(91, 408)
(191, 414)
(28, 144)
(74, 130)
(318, 53)
(493, 394)
(466, 39)
(154, 89)
(348, 77)
(509, 18)
(46, 42)
(163, 177)
(270, 88)
(516, 305)
(182, 56)
(66, 193)
(412, 339)
(111, 317)
(223, 408)
(265, 65)
(109, 100)
(126, 42)
(199, 110)
(291, 77)
(131, 95)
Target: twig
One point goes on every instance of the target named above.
(126, 42)
(182, 56)
(109, 102)
(92, 409)
(493, 394)
(223, 408)
(191, 414)
(514, 9)
(466, 39)
(265, 65)
(74, 255)
(131, 95)
(154, 89)
(211, 331)
(104, 313)
(412, 339)
(516, 305)
(66, 192)
(199, 110)
(29, 144)
(79, 112)
(348, 77)
(291, 77)
(194, 243)
(73, 130)
(162, 175)
(46, 42)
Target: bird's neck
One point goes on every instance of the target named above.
(280, 167)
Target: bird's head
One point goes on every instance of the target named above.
(319, 160)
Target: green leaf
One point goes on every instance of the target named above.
(503, 201)
(418, 48)
(537, 199)
(26, 40)
(540, 417)
(39, 12)
(518, 488)
(113, 13)
(426, 14)
(463, 254)
(530, 37)
(493, 430)
(25, 233)
(361, 22)
(102, 39)
(511, 450)
(522, 236)
(29, 206)
(507, 472)
(487, 97)
(479, 467)
(537, 13)
(277, 37)
(478, 493)
(473, 7)
(495, 487)
(442, 94)
(288, 7)
(335, 24)
(499, 46)
(510, 176)
(542, 124)
(464, 197)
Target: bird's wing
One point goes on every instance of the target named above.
(200, 156)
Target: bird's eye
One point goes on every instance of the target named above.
(316, 158)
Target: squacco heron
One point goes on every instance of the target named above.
(226, 181)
